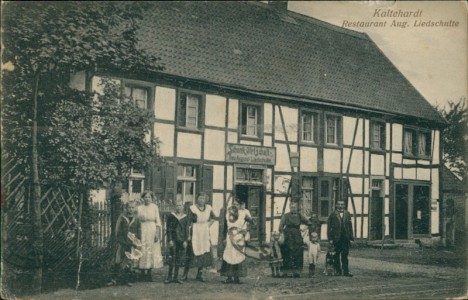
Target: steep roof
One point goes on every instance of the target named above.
(255, 48)
(450, 181)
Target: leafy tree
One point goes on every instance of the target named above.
(58, 134)
(455, 137)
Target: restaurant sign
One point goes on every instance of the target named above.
(248, 154)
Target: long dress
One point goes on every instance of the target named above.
(292, 249)
(200, 241)
(150, 223)
(234, 253)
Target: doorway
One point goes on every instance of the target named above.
(376, 210)
(401, 211)
(252, 197)
(412, 210)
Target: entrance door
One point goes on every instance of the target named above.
(401, 211)
(376, 217)
(252, 196)
(421, 210)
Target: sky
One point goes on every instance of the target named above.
(433, 59)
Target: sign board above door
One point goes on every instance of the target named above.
(248, 154)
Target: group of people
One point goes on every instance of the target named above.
(189, 244)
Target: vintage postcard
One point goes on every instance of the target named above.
(234, 149)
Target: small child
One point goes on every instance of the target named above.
(177, 229)
(128, 235)
(276, 259)
(313, 251)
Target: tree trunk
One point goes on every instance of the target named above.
(37, 211)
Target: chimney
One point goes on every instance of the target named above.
(279, 5)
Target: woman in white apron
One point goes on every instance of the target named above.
(233, 265)
(148, 214)
(199, 255)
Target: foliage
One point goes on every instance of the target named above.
(455, 136)
(50, 41)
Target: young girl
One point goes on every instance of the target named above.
(313, 251)
(276, 260)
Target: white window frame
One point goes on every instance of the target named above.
(129, 91)
(130, 195)
(309, 191)
(189, 101)
(311, 129)
(185, 180)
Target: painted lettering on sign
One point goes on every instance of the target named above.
(248, 154)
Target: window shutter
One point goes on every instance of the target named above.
(243, 118)
(182, 109)
(157, 181)
(428, 144)
(201, 111)
(383, 138)
(339, 130)
(207, 182)
(169, 178)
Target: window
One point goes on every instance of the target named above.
(309, 198)
(249, 176)
(417, 143)
(186, 183)
(309, 122)
(132, 189)
(329, 193)
(190, 110)
(333, 130)
(378, 135)
(139, 96)
(424, 144)
(251, 120)
(409, 145)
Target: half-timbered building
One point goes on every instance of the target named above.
(273, 106)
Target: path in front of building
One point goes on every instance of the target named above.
(373, 279)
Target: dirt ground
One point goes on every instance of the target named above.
(392, 274)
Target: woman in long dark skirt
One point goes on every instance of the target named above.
(292, 249)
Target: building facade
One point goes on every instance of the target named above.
(313, 114)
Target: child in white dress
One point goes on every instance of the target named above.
(313, 251)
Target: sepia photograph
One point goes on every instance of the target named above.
(234, 150)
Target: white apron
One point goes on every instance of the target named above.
(201, 230)
(232, 255)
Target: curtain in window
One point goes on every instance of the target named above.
(422, 144)
(408, 147)
(307, 127)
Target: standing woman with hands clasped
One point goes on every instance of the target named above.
(151, 227)
(201, 217)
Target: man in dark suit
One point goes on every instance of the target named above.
(340, 234)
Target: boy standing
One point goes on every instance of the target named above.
(177, 231)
